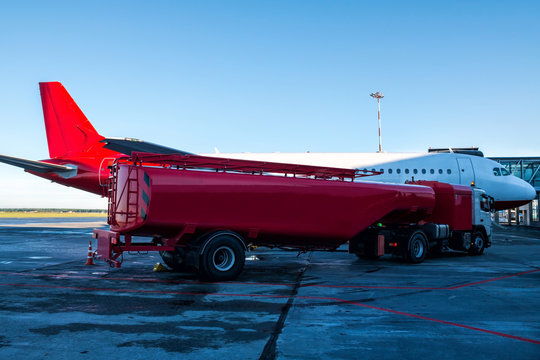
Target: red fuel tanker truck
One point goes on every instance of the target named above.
(204, 213)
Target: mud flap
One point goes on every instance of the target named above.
(380, 245)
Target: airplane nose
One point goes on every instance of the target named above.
(530, 192)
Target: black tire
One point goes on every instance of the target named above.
(222, 258)
(478, 243)
(417, 247)
(174, 259)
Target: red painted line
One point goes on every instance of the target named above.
(153, 280)
(490, 280)
(376, 287)
(62, 276)
(280, 297)
(140, 291)
(442, 322)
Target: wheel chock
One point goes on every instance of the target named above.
(160, 268)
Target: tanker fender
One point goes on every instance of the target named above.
(221, 257)
(205, 239)
(196, 248)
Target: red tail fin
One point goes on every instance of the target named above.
(68, 131)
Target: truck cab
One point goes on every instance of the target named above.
(460, 220)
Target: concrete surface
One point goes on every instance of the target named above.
(314, 306)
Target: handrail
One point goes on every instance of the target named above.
(195, 162)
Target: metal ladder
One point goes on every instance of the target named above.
(111, 196)
(130, 190)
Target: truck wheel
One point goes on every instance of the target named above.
(222, 258)
(478, 244)
(174, 259)
(417, 249)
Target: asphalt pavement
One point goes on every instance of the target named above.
(285, 305)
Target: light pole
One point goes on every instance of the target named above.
(378, 95)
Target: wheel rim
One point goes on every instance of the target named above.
(478, 242)
(223, 258)
(417, 248)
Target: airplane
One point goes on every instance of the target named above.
(80, 157)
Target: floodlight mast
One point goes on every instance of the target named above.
(378, 95)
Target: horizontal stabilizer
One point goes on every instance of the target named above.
(39, 166)
(128, 145)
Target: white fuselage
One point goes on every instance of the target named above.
(506, 189)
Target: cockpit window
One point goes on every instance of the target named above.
(505, 172)
(496, 172)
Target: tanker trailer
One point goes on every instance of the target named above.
(204, 213)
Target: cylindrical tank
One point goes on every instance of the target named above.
(266, 209)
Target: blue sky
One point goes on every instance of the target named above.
(267, 76)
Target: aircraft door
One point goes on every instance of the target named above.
(466, 171)
(104, 170)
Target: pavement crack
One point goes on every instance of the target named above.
(269, 351)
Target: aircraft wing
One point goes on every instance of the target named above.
(128, 145)
(37, 166)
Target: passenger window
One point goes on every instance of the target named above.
(431, 171)
(448, 171)
(415, 171)
(382, 171)
(505, 172)
(398, 171)
(424, 171)
(440, 171)
(496, 172)
(373, 170)
(406, 171)
(389, 171)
